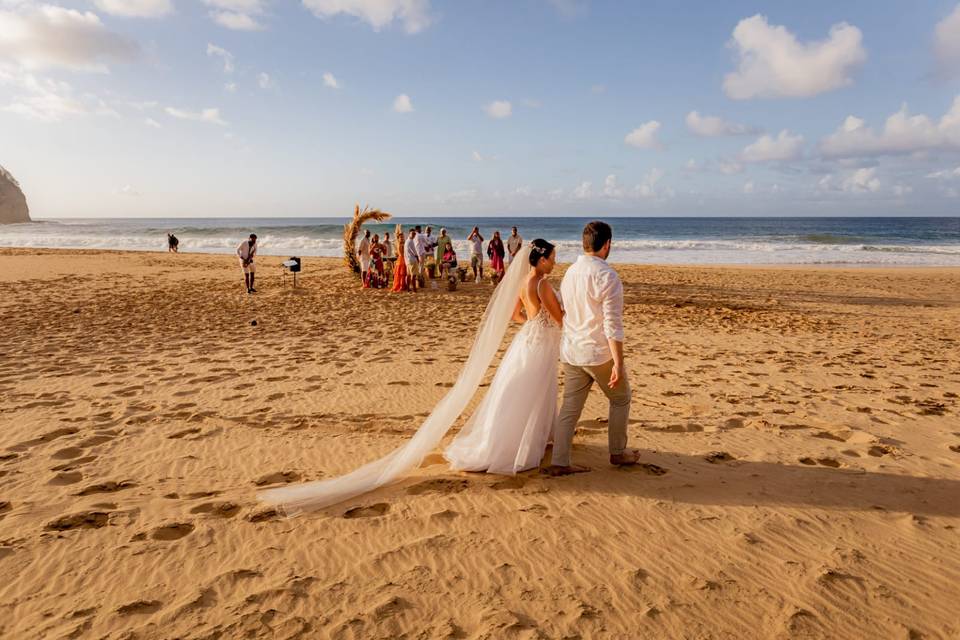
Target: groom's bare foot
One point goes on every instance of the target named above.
(569, 470)
(626, 459)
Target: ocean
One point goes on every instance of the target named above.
(768, 240)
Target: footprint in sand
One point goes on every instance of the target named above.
(439, 485)
(373, 511)
(278, 477)
(644, 467)
(185, 432)
(515, 482)
(82, 520)
(827, 462)
(106, 487)
(67, 453)
(140, 607)
(881, 450)
(716, 457)
(217, 509)
(172, 531)
(65, 477)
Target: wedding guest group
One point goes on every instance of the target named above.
(419, 256)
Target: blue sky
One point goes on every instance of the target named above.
(538, 107)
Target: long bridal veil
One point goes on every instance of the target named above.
(296, 499)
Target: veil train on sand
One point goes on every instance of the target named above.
(296, 499)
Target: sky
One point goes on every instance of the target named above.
(203, 108)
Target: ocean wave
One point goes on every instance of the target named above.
(326, 240)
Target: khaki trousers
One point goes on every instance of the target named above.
(576, 386)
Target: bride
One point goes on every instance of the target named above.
(510, 429)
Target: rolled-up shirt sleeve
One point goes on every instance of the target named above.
(611, 296)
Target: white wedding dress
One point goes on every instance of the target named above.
(509, 431)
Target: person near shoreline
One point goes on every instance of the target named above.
(388, 257)
(246, 252)
(411, 253)
(375, 279)
(173, 243)
(476, 253)
(443, 242)
(495, 252)
(363, 255)
(514, 242)
(400, 269)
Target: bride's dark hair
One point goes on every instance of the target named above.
(540, 248)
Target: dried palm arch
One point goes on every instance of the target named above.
(351, 231)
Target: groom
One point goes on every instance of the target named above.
(591, 350)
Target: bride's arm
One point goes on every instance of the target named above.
(518, 312)
(549, 300)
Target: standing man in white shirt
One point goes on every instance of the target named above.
(246, 252)
(591, 350)
(411, 255)
(363, 254)
(514, 242)
(476, 253)
(422, 242)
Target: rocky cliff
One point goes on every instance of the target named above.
(13, 204)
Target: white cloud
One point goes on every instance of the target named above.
(729, 167)
(402, 104)
(862, 181)
(768, 149)
(901, 134)
(238, 15)
(859, 181)
(773, 63)
(583, 191)
(476, 156)
(135, 8)
(414, 15)
(150, 122)
(47, 100)
(230, 86)
(749, 187)
(645, 136)
(236, 21)
(223, 54)
(499, 109)
(264, 80)
(714, 127)
(611, 187)
(44, 36)
(210, 115)
(648, 187)
(127, 190)
(946, 42)
(329, 80)
(945, 174)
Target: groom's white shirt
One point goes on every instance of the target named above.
(592, 297)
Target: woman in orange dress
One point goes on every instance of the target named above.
(400, 270)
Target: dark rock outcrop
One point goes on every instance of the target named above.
(13, 204)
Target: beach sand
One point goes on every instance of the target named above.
(800, 429)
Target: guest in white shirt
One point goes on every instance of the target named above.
(411, 254)
(514, 242)
(363, 254)
(591, 349)
(476, 253)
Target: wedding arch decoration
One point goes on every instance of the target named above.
(351, 231)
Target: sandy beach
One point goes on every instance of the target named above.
(799, 428)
